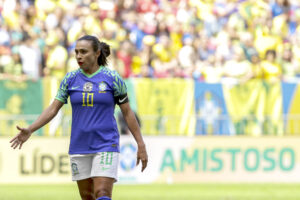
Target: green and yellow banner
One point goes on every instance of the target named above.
(255, 108)
(166, 106)
(169, 107)
(20, 104)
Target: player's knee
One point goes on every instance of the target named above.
(87, 195)
(102, 192)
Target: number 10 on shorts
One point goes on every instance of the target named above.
(106, 158)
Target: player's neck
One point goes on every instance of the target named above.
(92, 69)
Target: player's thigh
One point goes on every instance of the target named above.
(104, 172)
(103, 186)
(105, 164)
(86, 189)
(81, 166)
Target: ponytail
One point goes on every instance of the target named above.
(104, 53)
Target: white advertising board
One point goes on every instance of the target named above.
(171, 160)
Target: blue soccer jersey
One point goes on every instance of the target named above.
(93, 99)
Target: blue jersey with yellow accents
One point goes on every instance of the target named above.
(93, 99)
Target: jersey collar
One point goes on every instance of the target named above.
(93, 74)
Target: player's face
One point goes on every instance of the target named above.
(85, 55)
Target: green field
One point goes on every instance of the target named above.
(159, 192)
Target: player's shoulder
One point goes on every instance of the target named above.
(111, 73)
(72, 74)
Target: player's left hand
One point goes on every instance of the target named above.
(142, 156)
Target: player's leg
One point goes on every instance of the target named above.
(86, 189)
(104, 173)
(81, 166)
(103, 187)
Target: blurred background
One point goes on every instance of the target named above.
(213, 83)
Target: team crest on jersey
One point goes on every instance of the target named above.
(88, 86)
(102, 87)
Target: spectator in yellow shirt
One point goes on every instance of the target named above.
(57, 56)
(271, 69)
(256, 67)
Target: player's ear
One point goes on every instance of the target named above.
(98, 52)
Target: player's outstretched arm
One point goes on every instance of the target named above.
(135, 130)
(47, 115)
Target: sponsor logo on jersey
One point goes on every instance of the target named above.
(88, 86)
(74, 87)
(102, 87)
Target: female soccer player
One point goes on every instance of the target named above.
(94, 91)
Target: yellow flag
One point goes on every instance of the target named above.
(166, 106)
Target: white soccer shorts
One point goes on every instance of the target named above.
(102, 164)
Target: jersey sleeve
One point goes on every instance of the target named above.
(62, 93)
(120, 89)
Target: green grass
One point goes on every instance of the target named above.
(159, 192)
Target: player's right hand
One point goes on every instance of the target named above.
(22, 137)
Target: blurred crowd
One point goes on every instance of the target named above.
(205, 40)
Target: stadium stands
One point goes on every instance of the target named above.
(230, 47)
